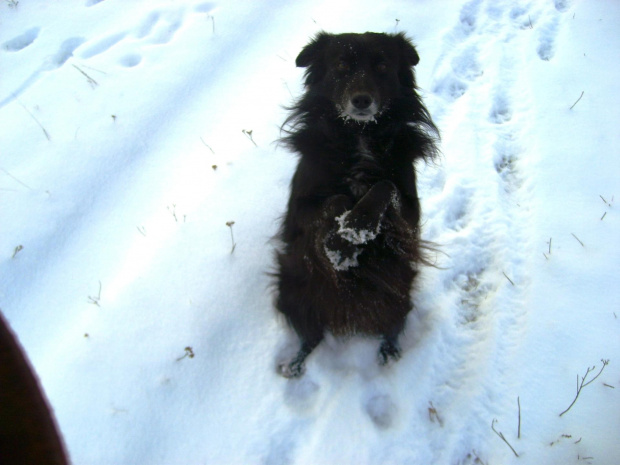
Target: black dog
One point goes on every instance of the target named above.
(350, 237)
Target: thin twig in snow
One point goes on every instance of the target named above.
(90, 80)
(173, 212)
(36, 120)
(249, 135)
(15, 179)
(578, 240)
(478, 459)
(95, 300)
(519, 425)
(577, 100)
(189, 352)
(208, 146)
(559, 439)
(433, 415)
(583, 384)
(511, 282)
(232, 238)
(17, 250)
(501, 435)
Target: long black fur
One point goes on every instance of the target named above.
(350, 239)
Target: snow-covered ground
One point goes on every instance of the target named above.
(133, 133)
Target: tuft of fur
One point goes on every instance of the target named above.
(350, 244)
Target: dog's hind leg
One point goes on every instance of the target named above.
(296, 367)
(389, 350)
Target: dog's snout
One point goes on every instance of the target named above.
(361, 106)
(361, 101)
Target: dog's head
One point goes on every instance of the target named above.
(362, 74)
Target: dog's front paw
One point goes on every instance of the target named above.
(341, 253)
(357, 229)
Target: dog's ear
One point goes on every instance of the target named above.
(311, 57)
(311, 52)
(408, 58)
(407, 51)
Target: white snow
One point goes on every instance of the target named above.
(339, 262)
(125, 148)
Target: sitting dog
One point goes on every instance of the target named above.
(350, 239)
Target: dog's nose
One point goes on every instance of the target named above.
(361, 101)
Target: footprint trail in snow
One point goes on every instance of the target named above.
(127, 46)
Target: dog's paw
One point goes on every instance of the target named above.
(357, 230)
(291, 370)
(389, 352)
(341, 253)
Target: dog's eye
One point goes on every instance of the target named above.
(382, 67)
(343, 66)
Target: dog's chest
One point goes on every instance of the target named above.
(364, 171)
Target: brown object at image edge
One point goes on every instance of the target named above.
(28, 431)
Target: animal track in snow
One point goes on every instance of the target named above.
(130, 60)
(65, 51)
(165, 27)
(468, 17)
(157, 28)
(455, 213)
(475, 289)
(461, 66)
(147, 25)
(546, 39)
(101, 45)
(283, 444)
(21, 41)
(465, 65)
(501, 111)
(301, 394)
(205, 7)
(449, 87)
(381, 410)
(562, 5)
(523, 18)
(506, 162)
(477, 215)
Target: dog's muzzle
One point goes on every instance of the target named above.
(361, 107)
